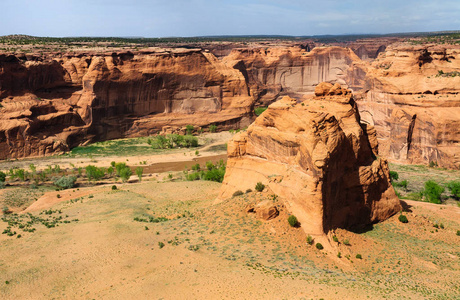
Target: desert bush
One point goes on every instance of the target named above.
(139, 172)
(259, 110)
(260, 186)
(319, 246)
(189, 129)
(248, 191)
(161, 244)
(193, 176)
(292, 220)
(402, 184)
(394, 175)
(6, 210)
(433, 192)
(173, 141)
(2, 176)
(65, 182)
(212, 128)
(458, 232)
(309, 239)
(358, 256)
(346, 242)
(114, 187)
(125, 173)
(335, 239)
(403, 219)
(2, 185)
(210, 165)
(196, 167)
(110, 171)
(237, 193)
(216, 175)
(453, 186)
(94, 173)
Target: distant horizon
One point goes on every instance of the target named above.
(390, 34)
(199, 18)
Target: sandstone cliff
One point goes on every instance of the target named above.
(276, 71)
(413, 102)
(54, 103)
(317, 158)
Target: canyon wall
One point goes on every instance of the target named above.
(279, 71)
(53, 104)
(412, 99)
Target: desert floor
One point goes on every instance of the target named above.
(166, 238)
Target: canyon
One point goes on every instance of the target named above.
(407, 94)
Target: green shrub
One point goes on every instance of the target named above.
(292, 220)
(196, 167)
(110, 171)
(433, 192)
(403, 219)
(2, 185)
(216, 175)
(319, 246)
(210, 165)
(458, 232)
(259, 110)
(248, 191)
(335, 239)
(65, 182)
(394, 175)
(94, 173)
(358, 256)
(346, 242)
(125, 173)
(6, 210)
(402, 184)
(212, 128)
(339, 255)
(453, 186)
(114, 187)
(161, 244)
(139, 172)
(2, 176)
(237, 193)
(309, 239)
(193, 176)
(189, 129)
(260, 186)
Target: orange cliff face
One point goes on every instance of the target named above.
(413, 102)
(53, 104)
(317, 158)
(277, 71)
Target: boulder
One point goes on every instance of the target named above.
(266, 210)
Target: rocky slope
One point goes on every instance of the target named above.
(317, 158)
(54, 103)
(412, 99)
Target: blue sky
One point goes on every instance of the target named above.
(153, 18)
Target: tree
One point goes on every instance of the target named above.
(2, 176)
(125, 173)
(453, 186)
(433, 191)
(139, 172)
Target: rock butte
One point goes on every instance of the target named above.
(317, 158)
(53, 103)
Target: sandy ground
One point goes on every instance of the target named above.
(219, 251)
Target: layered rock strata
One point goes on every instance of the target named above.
(53, 104)
(412, 99)
(316, 156)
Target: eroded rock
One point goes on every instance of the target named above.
(330, 176)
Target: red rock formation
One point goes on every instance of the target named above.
(317, 158)
(277, 71)
(58, 103)
(415, 109)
